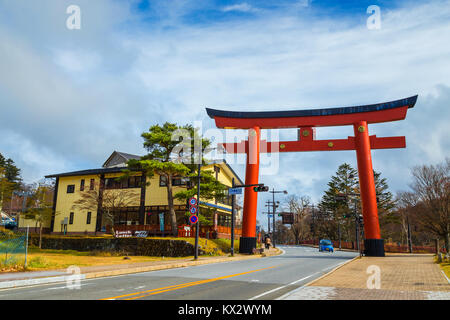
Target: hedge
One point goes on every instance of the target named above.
(125, 246)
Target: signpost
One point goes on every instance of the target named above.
(193, 219)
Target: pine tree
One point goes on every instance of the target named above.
(172, 152)
(342, 200)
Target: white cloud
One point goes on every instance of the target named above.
(135, 75)
(77, 61)
(242, 7)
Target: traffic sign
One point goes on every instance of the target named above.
(193, 210)
(192, 201)
(193, 219)
(232, 191)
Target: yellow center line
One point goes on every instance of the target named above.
(146, 293)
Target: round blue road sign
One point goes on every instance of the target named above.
(193, 219)
(193, 210)
(193, 201)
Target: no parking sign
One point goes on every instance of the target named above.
(193, 219)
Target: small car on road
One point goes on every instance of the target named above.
(326, 245)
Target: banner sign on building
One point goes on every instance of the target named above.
(123, 234)
(161, 221)
(141, 234)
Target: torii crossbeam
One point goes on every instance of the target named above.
(306, 121)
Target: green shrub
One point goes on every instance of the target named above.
(38, 262)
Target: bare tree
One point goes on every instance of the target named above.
(299, 207)
(110, 200)
(40, 206)
(431, 185)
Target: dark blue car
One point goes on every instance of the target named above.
(326, 245)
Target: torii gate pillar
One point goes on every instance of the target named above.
(248, 240)
(372, 242)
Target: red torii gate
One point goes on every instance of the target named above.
(306, 121)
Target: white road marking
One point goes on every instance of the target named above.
(66, 287)
(276, 289)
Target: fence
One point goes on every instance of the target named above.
(13, 249)
(388, 247)
(208, 232)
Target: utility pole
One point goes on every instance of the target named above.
(409, 235)
(339, 233)
(233, 205)
(197, 227)
(268, 216)
(273, 218)
(357, 228)
(274, 210)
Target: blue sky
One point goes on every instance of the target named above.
(68, 98)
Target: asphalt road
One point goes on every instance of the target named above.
(256, 279)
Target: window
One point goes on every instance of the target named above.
(88, 218)
(71, 218)
(162, 181)
(134, 182)
(177, 181)
(82, 185)
(92, 184)
(71, 188)
(131, 182)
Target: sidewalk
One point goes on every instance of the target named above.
(19, 279)
(402, 277)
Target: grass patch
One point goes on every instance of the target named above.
(445, 265)
(42, 259)
(45, 259)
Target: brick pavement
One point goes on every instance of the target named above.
(402, 277)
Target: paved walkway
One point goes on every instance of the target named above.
(401, 277)
(15, 279)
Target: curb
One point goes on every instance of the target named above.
(35, 281)
(315, 280)
(448, 280)
(101, 274)
(330, 272)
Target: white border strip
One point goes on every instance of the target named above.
(276, 289)
(30, 282)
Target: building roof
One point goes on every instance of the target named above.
(87, 172)
(119, 159)
(223, 161)
(110, 167)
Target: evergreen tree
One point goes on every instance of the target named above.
(172, 152)
(9, 179)
(342, 200)
(11, 172)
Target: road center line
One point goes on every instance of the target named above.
(137, 295)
